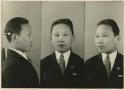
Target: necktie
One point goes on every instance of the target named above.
(107, 65)
(62, 63)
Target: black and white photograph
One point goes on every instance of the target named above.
(62, 44)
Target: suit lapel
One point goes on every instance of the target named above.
(55, 64)
(100, 68)
(99, 63)
(71, 64)
(117, 66)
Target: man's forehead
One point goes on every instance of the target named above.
(61, 28)
(104, 26)
(61, 25)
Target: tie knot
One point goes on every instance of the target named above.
(61, 59)
(107, 55)
(62, 55)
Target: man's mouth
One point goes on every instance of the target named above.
(61, 45)
(101, 46)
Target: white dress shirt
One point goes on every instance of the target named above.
(20, 53)
(112, 57)
(66, 56)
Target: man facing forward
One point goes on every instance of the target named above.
(63, 68)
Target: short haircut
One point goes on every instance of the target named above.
(14, 26)
(63, 21)
(112, 23)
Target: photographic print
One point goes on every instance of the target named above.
(62, 44)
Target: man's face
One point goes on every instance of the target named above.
(61, 37)
(23, 41)
(105, 39)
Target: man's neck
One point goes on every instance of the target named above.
(110, 52)
(19, 52)
(13, 46)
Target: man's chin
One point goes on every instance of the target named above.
(61, 51)
(102, 51)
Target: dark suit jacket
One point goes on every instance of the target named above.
(96, 76)
(51, 77)
(17, 72)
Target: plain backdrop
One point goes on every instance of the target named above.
(84, 16)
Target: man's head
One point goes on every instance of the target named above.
(107, 36)
(18, 33)
(62, 34)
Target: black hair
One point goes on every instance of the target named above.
(112, 23)
(14, 26)
(63, 21)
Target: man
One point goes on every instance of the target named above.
(17, 70)
(63, 68)
(106, 69)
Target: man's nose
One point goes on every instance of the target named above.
(60, 38)
(99, 40)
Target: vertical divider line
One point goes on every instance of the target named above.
(84, 30)
(40, 34)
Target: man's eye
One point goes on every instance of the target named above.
(57, 35)
(65, 34)
(29, 35)
(96, 36)
(104, 36)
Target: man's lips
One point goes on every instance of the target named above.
(101, 46)
(61, 45)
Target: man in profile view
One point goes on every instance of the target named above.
(17, 70)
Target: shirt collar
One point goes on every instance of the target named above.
(112, 57)
(20, 52)
(66, 56)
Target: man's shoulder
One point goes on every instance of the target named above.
(14, 57)
(13, 61)
(47, 58)
(92, 60)
(75, 56)
(119, 58)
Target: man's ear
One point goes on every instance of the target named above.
(50, 37)
(73, 37)
(117, 38)
(13, 37)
